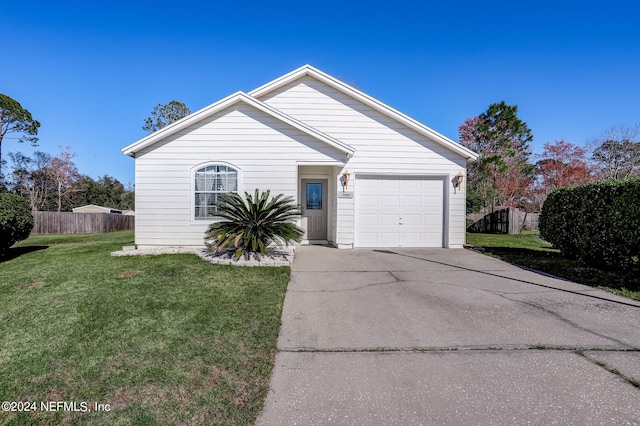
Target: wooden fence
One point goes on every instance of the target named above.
(504, 221)
(80, 223)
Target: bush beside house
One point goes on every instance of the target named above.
(16, 220)
(249, 225)
(597, 223)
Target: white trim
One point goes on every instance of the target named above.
(369, 175)
(314, 176)
(330, 205)
(320, 163)
(192, 187)
(231, 100)
(308, 70)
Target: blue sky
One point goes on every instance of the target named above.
(92, 71)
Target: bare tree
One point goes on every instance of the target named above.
(64, 174)
(617, 152)
(45, 180)
(31, 178)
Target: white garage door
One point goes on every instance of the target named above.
(399, 212)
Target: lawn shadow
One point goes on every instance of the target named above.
(556, 265)
(15, 252)
(523, 252)
(592, 296)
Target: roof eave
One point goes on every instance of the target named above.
(176, 126)
(230, 100)
(368, 100)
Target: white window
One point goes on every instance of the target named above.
(210, 182)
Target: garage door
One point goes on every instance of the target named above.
(399, 212)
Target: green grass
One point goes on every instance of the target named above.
(529, 250)
(168, 339)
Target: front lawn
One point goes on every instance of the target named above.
(168, 339)
(527, 249)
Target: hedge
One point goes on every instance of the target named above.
(596, 223)
(16, 220)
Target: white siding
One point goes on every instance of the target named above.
(264, 150)
(383, 146)
(345, 228)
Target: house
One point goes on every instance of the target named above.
(92, 208)
(364, 174)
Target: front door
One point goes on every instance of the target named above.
(314, 208)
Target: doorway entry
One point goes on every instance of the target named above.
(314, 208)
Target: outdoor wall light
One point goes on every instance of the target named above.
(345, 179)
(459, 179)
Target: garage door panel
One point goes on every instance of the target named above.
(412, 220)
(411, 239)
(432, 199)
(389, 219)
(432, 218)
(431, 228)
(367, 184)
(368, 201)
(411, 184)
(389, 201)
(399, 212)
(368, 239)
(389, 239)
(389, 184)
(412, 201)
(430, 240)
(369, 219)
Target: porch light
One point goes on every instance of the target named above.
(345, 179)
(459, 179)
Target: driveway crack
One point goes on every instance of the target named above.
(489, 273)
(396, 280)
(565, 320)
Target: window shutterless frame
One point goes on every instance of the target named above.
(209, 182)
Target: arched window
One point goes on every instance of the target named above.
(210, 181)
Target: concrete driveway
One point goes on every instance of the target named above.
(386, 337)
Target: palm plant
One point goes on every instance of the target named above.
(251, 224)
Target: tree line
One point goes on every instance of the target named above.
(507, 173)
(52, 182)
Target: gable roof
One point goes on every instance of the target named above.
(308, 70)
(238, 97)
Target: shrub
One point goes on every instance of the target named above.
(597, 223)
(475, 203)
(253, 223)
(16, 220)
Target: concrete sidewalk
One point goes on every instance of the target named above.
(448, 337)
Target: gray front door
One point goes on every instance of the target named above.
(314, 208)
